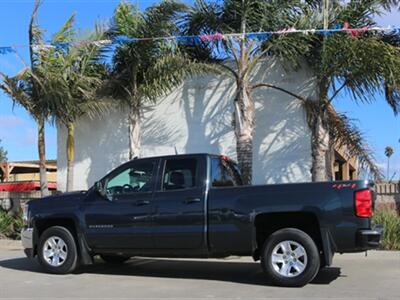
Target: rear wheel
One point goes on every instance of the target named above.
(290, 257)
(57, 251)
(114, 259)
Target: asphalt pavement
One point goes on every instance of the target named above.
(352, 276)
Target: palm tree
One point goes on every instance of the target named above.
(26, 90)
(388, 152)
(361, 64)
(341, 62)
(143, 71)
(242, 16)
(389, 4)
(73, 77)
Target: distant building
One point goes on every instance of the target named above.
(24, 175)
(345, 167)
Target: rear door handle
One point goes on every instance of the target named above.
(142, 202)
(191, 200)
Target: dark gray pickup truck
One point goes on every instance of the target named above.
(196, 206)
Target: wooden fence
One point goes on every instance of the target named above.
(388, 195)
(17, 199)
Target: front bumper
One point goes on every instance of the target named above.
(370, 238)
(27, 241)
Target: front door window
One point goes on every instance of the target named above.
(137, 178)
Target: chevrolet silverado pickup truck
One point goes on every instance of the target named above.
(195, 206)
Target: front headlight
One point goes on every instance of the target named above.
(26, 214)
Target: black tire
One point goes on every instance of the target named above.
(70, 262)
(311, 260)
(114, 259)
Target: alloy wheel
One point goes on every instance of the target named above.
(289, 258)
(55, 251)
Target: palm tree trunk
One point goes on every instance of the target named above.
(388, 168)
(319, 149)
(70, 156)
(42, 158)
(134, 131)
(330, 159)
(244, 113)
(244, 128)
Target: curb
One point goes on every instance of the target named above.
(10, 244)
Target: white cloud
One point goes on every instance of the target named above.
(30, 137)
(11, 121)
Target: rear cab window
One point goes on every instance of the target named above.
(224, 172)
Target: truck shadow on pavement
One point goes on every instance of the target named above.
(224, 270)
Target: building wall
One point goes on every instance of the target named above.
(51, 177)
(197, 117)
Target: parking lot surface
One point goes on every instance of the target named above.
(352, 276)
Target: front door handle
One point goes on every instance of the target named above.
(191, 200)
(142, 202)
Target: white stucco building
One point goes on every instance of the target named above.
(197, 117)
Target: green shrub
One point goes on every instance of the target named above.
(10, 226)
(391, 232)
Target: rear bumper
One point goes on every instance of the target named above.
(369, 238)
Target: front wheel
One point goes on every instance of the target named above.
(57, 251)
(290, 257)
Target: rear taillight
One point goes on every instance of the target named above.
(363, 203)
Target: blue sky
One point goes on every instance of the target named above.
(18, 130)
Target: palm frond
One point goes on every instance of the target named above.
(127, 21)
(366, 67)
(142, 71)
(169, 71)
(17, 91)
(161, 18)
(345, 133)
(66, 32)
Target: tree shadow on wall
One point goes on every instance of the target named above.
(192, 119)
(106, 151)
(208, 115)
(282, 143)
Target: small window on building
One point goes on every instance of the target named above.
(180, 174)
(224, 173)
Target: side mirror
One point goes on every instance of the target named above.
(99, 188)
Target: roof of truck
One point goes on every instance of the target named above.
(185, 155)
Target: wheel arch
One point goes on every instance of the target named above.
(267, 223)
(70, 223)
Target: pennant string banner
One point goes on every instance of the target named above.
(7, 50)
(193, 39)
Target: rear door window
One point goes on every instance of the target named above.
(179, 174)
